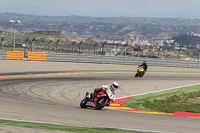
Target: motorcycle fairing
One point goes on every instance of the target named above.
(140, 69)
(91, 104)
(110, 95)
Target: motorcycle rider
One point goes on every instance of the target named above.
(112, 87)
(144, 64)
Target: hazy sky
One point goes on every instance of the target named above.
(105, 8)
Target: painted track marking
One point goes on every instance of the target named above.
(117, 106)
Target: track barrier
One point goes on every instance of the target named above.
(83, 58)
(36, 56)
(15, 55)
(3, 55)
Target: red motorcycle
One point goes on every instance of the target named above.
(100, 100)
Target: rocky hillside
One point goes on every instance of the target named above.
(5, 17)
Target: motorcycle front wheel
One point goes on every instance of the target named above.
(142, 74)
(101, 103)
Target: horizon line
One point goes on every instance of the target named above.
(96, 16)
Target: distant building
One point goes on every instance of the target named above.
(131, 39)
(194, 34)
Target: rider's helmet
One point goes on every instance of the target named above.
(115, 85)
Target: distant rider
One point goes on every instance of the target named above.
(144, 64)
(112, 87)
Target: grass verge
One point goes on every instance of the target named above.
(41, 72)
(64, 127)
(131, 71)
(188, 102)
(163, 101)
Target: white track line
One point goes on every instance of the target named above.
(160, 90)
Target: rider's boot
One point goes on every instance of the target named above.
(92, 95)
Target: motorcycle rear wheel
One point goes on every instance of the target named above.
(101, 103)
(83, 103)
(136, 74)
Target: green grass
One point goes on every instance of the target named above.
(131, 71)
(138, 102)
(170, 71)
(40, 72)
(104, 71)
(187, 102)
(64, 127)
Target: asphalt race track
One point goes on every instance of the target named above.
(56, 99)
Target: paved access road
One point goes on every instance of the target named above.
(56, 99)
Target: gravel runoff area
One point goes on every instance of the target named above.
(7, 66)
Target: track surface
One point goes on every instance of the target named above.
(56, 99)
